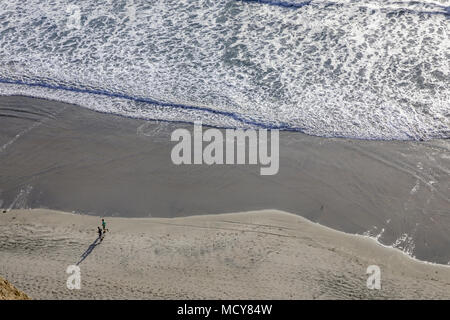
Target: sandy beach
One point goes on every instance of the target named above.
(67, 158)
(172, 235)
(253, 255)
(238, 149)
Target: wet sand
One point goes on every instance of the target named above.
(64, 157)
(252, 255)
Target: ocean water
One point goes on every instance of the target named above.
(352, 68)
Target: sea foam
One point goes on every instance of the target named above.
(355, 68)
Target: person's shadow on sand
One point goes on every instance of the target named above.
(90, 249)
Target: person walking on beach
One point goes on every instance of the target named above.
(101, 234)
(104, 225)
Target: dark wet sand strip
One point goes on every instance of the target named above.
(64, 157)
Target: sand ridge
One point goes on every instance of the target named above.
(265, 254)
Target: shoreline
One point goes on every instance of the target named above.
(266, 254)
(198, 216)
(191, 123)
(205, 215)
(68, 158)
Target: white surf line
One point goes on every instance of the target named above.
(20, 134)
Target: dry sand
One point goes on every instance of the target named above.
(265, 255)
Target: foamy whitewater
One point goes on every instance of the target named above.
(354, 68)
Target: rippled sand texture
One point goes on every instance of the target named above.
(252, 255)
(362, 69)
